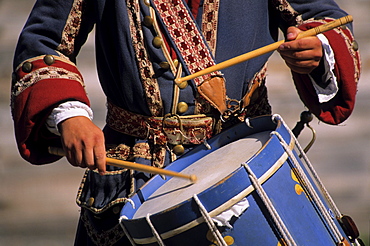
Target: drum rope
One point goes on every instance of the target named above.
(213, 229)
(125, 231)
(315, 198)
(319, 182)
(314, 173)
(281, 227)
(154, 231)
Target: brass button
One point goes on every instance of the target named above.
(176, 62)
(182, 107)
(164, 65)
(49, 59)
(157, 42)
(178, 149)
(355, 45)
(183, 85)
(90, 202)
(116, 210)
(147, 2)
(344, 27)
(27, 67)
(148, 21)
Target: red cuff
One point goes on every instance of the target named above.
(40, 84)
(347, 70)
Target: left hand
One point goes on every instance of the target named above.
(83, 143)
(302, 55)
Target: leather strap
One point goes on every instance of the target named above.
(186, 37)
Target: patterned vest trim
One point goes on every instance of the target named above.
(210, 22)
(287, 12)
(150, 84)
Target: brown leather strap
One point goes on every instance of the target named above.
(258, 80)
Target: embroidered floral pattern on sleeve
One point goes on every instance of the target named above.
(41, 71)
(71, 28)
(349, 41)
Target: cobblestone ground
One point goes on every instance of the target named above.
(37, 203)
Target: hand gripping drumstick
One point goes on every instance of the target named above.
(266, 49)
(133, 166)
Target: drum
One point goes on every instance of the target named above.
(255, 187)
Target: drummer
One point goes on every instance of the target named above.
(141, 47)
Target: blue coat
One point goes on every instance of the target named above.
(61, 27)
(242, 27)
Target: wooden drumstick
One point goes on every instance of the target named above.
(266, 49)
(134, 166)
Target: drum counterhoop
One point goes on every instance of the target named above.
(255, 186)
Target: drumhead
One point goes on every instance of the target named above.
(209, 170)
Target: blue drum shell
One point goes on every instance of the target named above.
(254, 227)
(213, 196)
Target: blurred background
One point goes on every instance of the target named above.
(37, 204)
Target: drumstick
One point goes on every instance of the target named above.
(266, 49)
(133, 166)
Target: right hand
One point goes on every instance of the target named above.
(83, 143)
(303, 55)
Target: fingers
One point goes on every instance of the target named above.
(301, 60)
(100, 159)
(302, 55)
(87, 157)
(292, 33)
(83, 143)
(74, 157)
(92, 158)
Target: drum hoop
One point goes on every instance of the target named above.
(268, 174)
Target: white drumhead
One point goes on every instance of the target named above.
(209, 170)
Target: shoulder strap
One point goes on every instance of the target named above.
(192, 49)
(185, 36)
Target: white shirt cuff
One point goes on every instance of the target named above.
(327, 93)
(65, 111)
